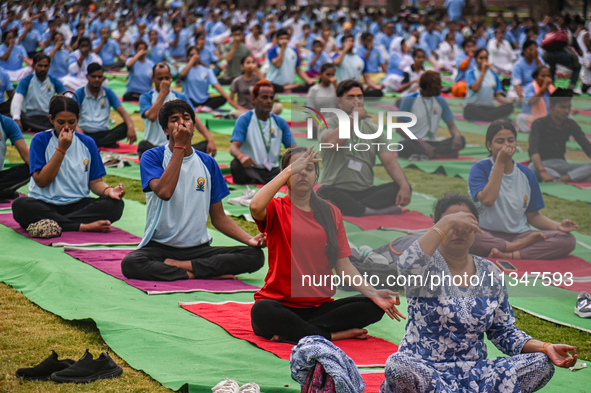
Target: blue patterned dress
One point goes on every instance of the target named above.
(443, 349)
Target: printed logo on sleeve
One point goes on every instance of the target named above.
(200, 184)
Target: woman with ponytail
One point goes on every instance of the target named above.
(307, 240)
(65, 166)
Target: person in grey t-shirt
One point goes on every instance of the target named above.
(237, 52)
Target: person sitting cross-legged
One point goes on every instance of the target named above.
(29, 107)
(95, 103)
(65, 166)
(150, 104)
(547, 143)
(13, 178)
(347, 174)
(429, 108)
(257, 138)
(183, 188)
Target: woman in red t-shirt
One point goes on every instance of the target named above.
(306, 240)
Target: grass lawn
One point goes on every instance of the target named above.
(27, 332)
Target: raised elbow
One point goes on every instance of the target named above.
(487, 202)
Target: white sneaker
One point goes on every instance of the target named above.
(583, 306)
(246, 197)
(250, 388)
(414, 157)
(226, 386)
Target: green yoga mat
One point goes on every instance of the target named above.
(118, 86)
(221, 126)
(566, 191)
(129, 172)
(130, 107)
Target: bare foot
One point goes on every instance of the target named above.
(360, 334)
(527, 241)
(97, 226)
(224, 277)
(495, 253)
(565, 178)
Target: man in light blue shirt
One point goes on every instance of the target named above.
(184, 187)
(375, 64)
(284, 63)
(13, 178)
(30, 38)
(107, 49)
(97, 25)
(429, 108)
(348, 64)
(30, 104)
(257, 138)
(95, 103)
(12, 56)
(150, 104)
(59, 55)
(430, 40)
(178, 40)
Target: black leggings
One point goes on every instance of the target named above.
(35, 123)
(299, 89)
(242, 175)
(147, 263)
(353, 203)
(28, 210)
(487, 113)
(131, 96)
(110, 137)
(270, 318)
(13, 178)
(443, 149)
(212, 102)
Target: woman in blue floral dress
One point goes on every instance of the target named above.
(443, 349)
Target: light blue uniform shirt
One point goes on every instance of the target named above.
(31, 39)
(59, 64)
(522, 71)
(519, 194)
(217, 29)
(197, 82)
(5, 84)
(8, 130)
(39, 26)
(423, 108)
(461, 76)
(109, 51)
(97, 25)
(96, 112)
(285, 74)
(248, 132)
(181, 46)
(528, 93)
(15, 60)
(430, 41)
(352, 67)
(323, 58)
(207, 56)
(140, 77)
(490, 85)
(158, 53)
(153, 133)
(454, 9)
(145, 38)
(81, 165)
(182, 220)
(375, 59)
(37, 94)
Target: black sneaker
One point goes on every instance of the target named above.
(88, 370)
(43, 371)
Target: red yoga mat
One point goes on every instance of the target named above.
(405, 222)
(373, 381)
(122, 148)
(578, 267)
(230, 180)
(582, 185)
(234, 317)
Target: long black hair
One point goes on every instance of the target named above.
(61, 103)
(322, 210)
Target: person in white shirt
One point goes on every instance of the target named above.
(501, 54)
(257, 42)
(123, 38)
(448, 53)
(79, 60)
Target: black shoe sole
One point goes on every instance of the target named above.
(95, 377)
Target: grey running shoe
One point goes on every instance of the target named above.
(583, 306)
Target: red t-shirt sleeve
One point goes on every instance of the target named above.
(263, 225)
(344, 249)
